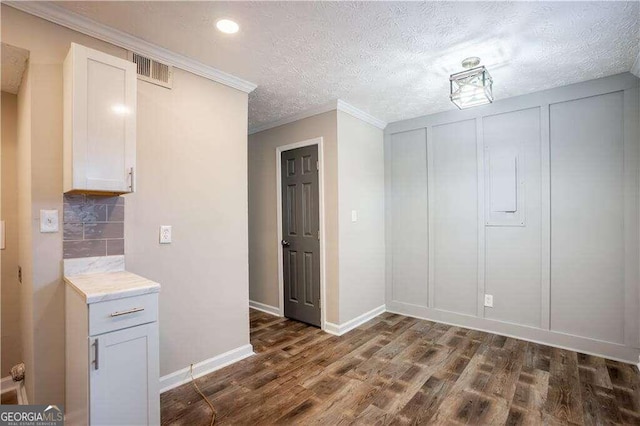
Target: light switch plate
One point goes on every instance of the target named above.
(354, 215)
(49, 221)
(488, 300)
(165, 234)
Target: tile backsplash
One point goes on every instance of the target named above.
(93, 226)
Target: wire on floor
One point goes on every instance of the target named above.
(195, 385)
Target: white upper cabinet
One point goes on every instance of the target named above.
(99, 122)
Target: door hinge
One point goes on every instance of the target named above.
(317, 165)
(320, 303)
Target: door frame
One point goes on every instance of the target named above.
(279, 150)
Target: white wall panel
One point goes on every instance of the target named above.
(455, 216)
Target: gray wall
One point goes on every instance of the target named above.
(454, 213)
(407, 235)
(361, 243)
(561, 261)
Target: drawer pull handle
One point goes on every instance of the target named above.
(130, 311)
(95, 361)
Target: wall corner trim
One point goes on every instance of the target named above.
(358, 113)
(182, 376)
(84, 25)
(635, 68)
(340, 329)
(337, 105)
(267, 309)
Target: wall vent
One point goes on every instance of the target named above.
(152, 71)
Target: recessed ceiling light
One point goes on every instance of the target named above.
(227, 26)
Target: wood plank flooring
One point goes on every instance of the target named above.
(399, 370)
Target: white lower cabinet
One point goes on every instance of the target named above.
(124, 378)
(112, 361)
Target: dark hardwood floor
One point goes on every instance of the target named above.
(400, 370)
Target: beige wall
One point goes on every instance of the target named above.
(25, 254)
(263, 227)
(362, 244)
(191, 167)
(354, 180)
(192, 175)
(11, 343)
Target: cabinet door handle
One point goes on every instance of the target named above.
(127, 312)
(131, 178)
(95, 359)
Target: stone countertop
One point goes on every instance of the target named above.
(103, 286)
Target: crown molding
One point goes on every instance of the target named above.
(337, 105)
(635, 68)
(358, 113)
(330, 106)
(84, 25)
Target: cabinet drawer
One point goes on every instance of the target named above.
(122, 313)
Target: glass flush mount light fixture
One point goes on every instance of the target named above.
(471, 87)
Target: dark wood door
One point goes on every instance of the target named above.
(300, 234)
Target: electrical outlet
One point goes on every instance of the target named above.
(165, 234)
(488, 300)
(354, 215)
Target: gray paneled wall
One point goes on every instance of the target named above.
(455, 216)
(513, 248)
(408, 204)
(532, 200)
(587, 217)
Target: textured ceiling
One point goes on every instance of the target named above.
(14, 62)
(390, 59)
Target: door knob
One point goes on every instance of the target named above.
(285, 243)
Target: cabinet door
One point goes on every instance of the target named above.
(124, 378)
(103, 125)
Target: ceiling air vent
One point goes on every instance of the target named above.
(152, 71)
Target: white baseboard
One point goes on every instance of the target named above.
(7, 384)
(202, 368)
(268, 309)
(340, 329)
